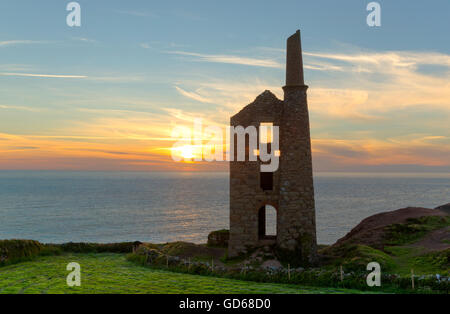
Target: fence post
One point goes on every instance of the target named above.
(289, 271)
(412, 278)
(342, 273)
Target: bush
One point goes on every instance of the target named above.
(414, 229)
(123, 247)
(355, 257)
(138, 259)
(219, 238)
(50, 250)
(14, 251)
(440, 259)
(325, 277)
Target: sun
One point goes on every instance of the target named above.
(187, 152)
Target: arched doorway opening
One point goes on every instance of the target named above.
(267, 222)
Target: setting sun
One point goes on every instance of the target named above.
(187, 152)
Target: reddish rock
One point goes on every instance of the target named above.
(371, 231)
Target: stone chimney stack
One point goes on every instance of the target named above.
(296, 205)
(294, 61)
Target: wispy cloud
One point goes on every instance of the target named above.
(145, 46)
(112, 78)
(355, 86)
(162, 46)
(394, 59)
(192, 95)
(229, 96)
(231, 59)
(137, 13)
(25, 108)
(44, 75)
(322, 66)
(98, 77)
(343, 103)
(387, 81)
(19, 42)
(84, 39)
(267, 62)
(15, 67)
(415, 151)
(362, 111)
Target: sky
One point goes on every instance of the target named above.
(107, 95)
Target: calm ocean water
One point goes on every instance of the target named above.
(158, 207)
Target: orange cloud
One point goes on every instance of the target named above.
(419, 151)
(371, 89)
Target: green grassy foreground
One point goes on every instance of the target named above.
(112, 273)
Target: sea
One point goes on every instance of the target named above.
(158, 207)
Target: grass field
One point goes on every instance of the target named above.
(112, 273)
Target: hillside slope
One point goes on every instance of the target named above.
(377, 230)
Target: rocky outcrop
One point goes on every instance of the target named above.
(444, 208)
(219, 238)
(372, 230)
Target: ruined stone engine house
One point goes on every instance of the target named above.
(289, 190)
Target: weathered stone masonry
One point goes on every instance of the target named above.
(292, 192)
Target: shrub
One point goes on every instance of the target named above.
(355, 257)
(123, 247)
(219, 238)
(313, 276)
(440, 259)
(136, 258)
(13, 251)
(414, 229)
(50, 250)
